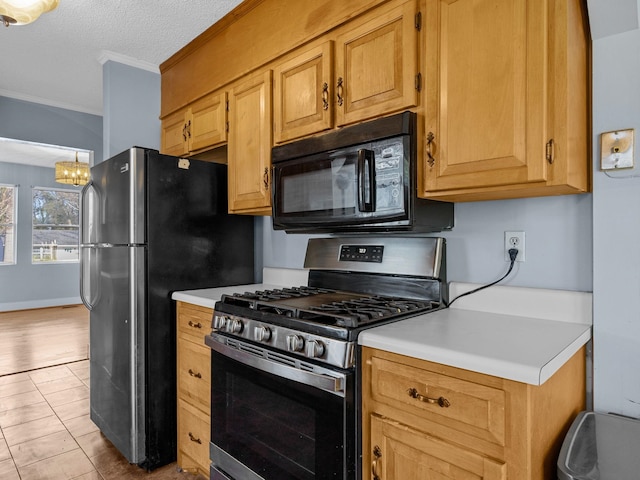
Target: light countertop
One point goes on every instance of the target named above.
(528, 341)
(272, 278)
(521, 334)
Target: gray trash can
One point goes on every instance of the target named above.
(601, 446)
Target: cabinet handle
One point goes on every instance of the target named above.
(549, 151)
(189, 128)
(377, 455)
(265, 178)
(195, 325)
(193, 374)
(441, 401)
(339, 92)
(184, 132)
(194, 439)
(430, 159)
(325, 96)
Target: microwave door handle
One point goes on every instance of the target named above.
(366, 180)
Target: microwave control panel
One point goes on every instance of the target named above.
(389, 165)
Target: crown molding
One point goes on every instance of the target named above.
(106, 56)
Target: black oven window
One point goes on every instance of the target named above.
(280, 429)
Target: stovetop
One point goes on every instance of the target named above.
(327, 307)
(354, 284)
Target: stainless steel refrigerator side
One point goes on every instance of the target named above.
(137, 295)
(138, 299)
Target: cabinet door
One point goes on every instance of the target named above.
(486, 70)
(302, 92)
(194, 374)
(174, 133)
(208, 126)
(396, 452)
(249, 148)
(377, 66)
(193, 438)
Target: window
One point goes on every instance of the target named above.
(7, 224)
(56, 230)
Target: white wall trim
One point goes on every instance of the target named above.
(48, 102)
(31, 304)
(106, 56)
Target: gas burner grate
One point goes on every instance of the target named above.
(281, 293)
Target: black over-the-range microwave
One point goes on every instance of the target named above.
(355, 179)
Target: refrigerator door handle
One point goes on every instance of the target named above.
(85, 263)
(85, 253)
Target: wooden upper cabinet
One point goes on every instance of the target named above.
(302, 86)
(200, 126)
(208, 121)
(174, 133)
(377, 65)
(499, 122)
(249, 147)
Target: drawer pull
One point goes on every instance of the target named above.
(441, 401)
(194, 439)
(193, 374)
(377, 455)
(195, 325)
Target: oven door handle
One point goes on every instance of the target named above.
(328, 383)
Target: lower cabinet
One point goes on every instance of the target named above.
(427, 421)
(194, 387)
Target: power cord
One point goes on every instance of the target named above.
(513, 254)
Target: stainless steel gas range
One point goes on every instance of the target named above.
(285, 396)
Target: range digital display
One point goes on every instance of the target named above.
(361, 253)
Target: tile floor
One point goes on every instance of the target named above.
(46, 433)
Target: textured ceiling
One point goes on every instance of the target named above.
(57, 59)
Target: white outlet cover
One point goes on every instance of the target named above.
(521, 245)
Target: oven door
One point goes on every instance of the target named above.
(275, 417)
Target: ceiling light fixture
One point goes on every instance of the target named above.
(72, 173)
(21, 12)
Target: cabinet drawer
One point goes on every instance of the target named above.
(193, 435)
(471, 408)
(194, 373)
(400, 452)
(194, 321)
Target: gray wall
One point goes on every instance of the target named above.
(557, 239)
(131, 99)
(24, 285)
(616, 229)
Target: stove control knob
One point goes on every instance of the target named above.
(219, 322)
(262, 334)
(314, 349)
(295, 343)
(235, 326)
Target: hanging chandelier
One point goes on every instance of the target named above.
(21, 12)
(72, 173)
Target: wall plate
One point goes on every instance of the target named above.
(616, 149)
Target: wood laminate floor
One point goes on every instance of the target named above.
(45, 429)
(31, 339)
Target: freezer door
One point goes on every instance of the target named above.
(117, 348)
(113, 202)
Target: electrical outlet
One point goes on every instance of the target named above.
(514, 240)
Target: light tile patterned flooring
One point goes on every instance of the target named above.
(46, 432)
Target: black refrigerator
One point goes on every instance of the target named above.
(151, 224)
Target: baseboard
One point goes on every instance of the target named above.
(31, 304)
